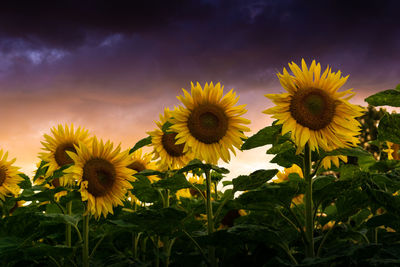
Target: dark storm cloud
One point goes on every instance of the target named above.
(242, 43)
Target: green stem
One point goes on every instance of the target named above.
(376, 235)
(289, 253)
(197, 245)
(309, 202)
(135, 244)
(216, 191)
(85, 248)
(166, 240)
(156, 241)
(210, 219)
(324, 239)
(144, 248)
(68, 226)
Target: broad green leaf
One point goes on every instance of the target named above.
(254, 180)
(384, 165)
(143, 189)
(349, 171)
(353, 151)
(386, 219)
(57, 218)
(141, 143)
(279, 148)
(158, 221)
(26, 183)
(196, 164)
(385, 98)
(174, 183)
(263, 137)
(389, 128)
(287, 158)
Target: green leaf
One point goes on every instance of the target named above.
(254, 180)
(279, 148)
(389, 128)
(348, 171)
(385, 165)
(166, 126)
(353, 152)
(57, 218)
(143, 189)
(143, 142)
(386, 219)
(265, 136)
(287, 158)
(385, 98)
(26, 183)
(196, 164)
(158, 221)
(174, 183)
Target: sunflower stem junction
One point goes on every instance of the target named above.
(85, 248)
(308, 202)
(68, 226)
(210, 219)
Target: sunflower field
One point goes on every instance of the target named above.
(334, 202)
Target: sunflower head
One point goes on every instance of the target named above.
(210, 124)
(102, 174)
(283, 176)
(170, 154)
(313, 110)
(9, 178)
(142, 162)
(57, 146)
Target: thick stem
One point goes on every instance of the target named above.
(85, 248)
(309, 202)
(210, 219)
(68, 226)
(166, 239)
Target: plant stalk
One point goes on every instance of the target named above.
(68, 228)
(309, 218)
(85, 248)
(210, 219)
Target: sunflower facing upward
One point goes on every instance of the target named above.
(102, 174)
(9, 178)
(63, 140)
(171, 155)
(313, 109)
(209, 124)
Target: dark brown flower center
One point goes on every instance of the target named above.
(168, 142)
(61, 155)
(100, 175)
(312, 108)
(3, 175)
(208, 123)
(56, 182)
(137, 166)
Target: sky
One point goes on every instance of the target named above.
(113, 66)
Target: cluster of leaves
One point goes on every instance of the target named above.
(356, 211)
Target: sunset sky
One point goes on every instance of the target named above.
(112, 66)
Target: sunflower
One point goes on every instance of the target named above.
(193, 192)
(326, 162)
(209, 124)
(102, 174)
(9, 178)
(63, 140)
(170, 154)
(313, 110)
(392, 150)
(284, 176)
(142, 162)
